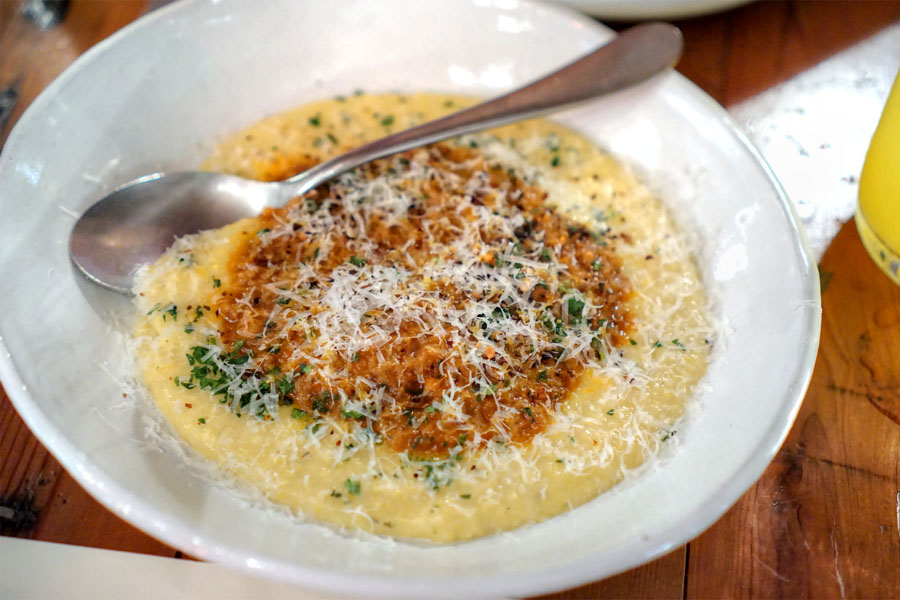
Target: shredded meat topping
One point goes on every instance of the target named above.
(432, 297)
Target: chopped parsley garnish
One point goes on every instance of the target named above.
(485, 392)
(225, 375)
(322, 403)
(576, 306)
(387, 121)
(284, 386)
(352, 486)
(296, 413)
(357, 261)
(315, 121)
(283, 300)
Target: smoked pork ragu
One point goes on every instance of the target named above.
(433, 297)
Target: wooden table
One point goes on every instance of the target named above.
(823, 521)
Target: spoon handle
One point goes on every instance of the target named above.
(633, 56)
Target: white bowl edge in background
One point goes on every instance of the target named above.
(634, 10)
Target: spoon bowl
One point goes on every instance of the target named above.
(137, 222)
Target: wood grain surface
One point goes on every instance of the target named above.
(824, 519)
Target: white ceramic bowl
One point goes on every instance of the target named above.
(161, 92)
(634, 10)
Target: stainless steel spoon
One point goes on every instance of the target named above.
(134, 225)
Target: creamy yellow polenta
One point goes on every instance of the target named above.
(616, 418)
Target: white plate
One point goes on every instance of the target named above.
(633, 10)
(159, 93)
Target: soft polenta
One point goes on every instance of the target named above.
(448, 343)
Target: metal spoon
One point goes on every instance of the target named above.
(134, 225)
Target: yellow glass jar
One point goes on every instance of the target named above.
(878, 213)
